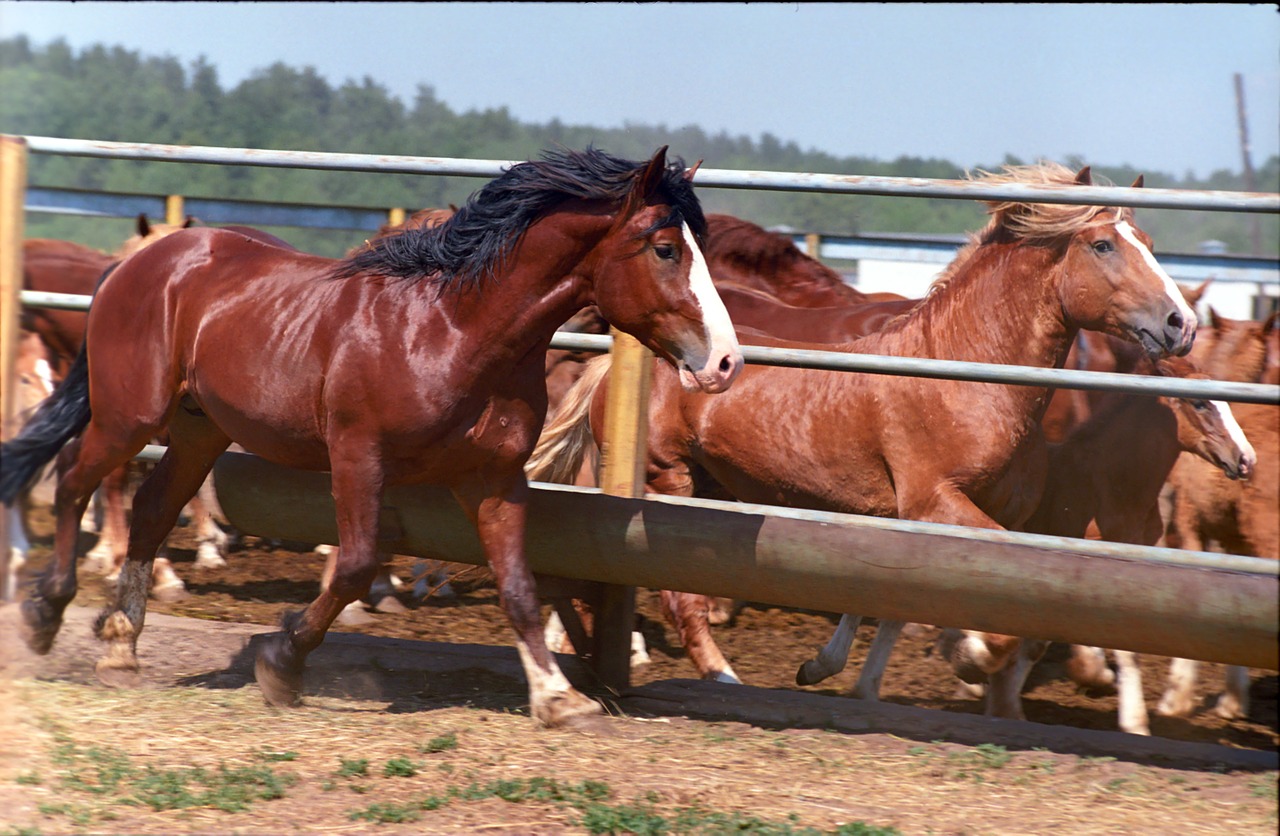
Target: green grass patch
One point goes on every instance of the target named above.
(599, 813)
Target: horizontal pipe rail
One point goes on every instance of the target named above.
(715, 178)
(1168, 602)
(908, 366)
(1187, 267)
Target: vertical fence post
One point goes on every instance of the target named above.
(13, 184)
(174, 210)
(395, 216)
(623, 457)
(813, 244)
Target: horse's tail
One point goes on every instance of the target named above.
(566, 440)
(59, 418)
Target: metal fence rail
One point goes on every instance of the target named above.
(715, 178)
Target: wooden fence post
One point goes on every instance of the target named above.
(13, 184)
(174, 210)
(623, 459)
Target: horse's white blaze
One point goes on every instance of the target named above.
(1170, 287)
(721, 339)
(1235, 433)
(45, 372)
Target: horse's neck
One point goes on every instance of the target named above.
(519, 310)
(999, 306)
(1130, 448)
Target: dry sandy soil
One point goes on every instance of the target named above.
(417, 723)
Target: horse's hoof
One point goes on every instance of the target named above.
(810, 673)
(390, 604)
(281, 682)
(170, 594)
(354, 615)
(568, 709)
(600, 725)
(113, 676)
(39, 626)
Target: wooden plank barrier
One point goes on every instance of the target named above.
(1216, 608)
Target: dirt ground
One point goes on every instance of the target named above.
(669, 765)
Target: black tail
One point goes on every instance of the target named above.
(60, 418)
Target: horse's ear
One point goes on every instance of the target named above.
(144, 226)
(1137, 184)
(649, 180)
(1084, 177)
(689, 172)
(189, 222)
(1271, 323)
(1214, 317)
(1194, 296)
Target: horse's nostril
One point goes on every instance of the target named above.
(1175, 320)
(726, 363)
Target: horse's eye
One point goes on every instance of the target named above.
(1199, 406)
(665, 251)
(1103, 247)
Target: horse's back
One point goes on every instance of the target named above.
(56, 266)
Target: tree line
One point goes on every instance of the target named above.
(110, 93)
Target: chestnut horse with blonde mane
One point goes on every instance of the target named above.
(917, 449)
(417, 361)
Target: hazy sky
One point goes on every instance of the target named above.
(1145, 85)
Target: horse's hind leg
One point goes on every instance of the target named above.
(107, 555)
(872, 674)
(357, 494)
(834, 654)
(82, 465)
(194, 445)
(688, 613)
(212, 539)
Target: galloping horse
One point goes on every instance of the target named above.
(918, 449)
(1236, 517)
(419, 360)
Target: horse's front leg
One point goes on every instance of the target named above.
(499, 513)
(357, 497)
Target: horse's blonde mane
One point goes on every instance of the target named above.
(1038, 223)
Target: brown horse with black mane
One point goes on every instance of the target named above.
(932, 450)
(419, 360)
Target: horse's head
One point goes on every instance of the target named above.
(148, 233)
(1239, 349)
(651, 279)
(33, 379)
(1113, 283)
(1207, 428)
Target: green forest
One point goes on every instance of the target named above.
(110, 93)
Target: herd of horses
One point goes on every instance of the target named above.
(423, 356)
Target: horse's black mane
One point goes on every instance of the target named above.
(472, 245)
